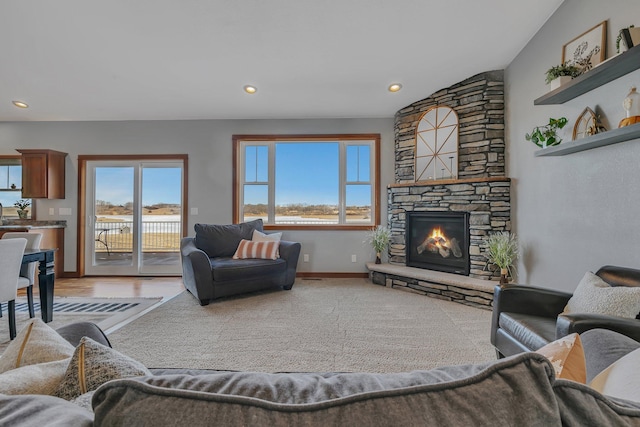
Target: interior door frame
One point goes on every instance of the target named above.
(82, 187)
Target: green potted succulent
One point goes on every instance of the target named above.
(22, 206)
(379, 237)
(502, 251)
(547, 135)
(558, 75)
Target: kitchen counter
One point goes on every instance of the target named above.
(21, 224)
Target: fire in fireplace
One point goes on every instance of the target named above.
(438, 241)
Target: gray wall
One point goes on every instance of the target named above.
(208, 144)
(577, 212)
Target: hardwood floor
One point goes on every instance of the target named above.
(165, 287)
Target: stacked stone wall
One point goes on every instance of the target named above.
(481, 187)
(479, 103)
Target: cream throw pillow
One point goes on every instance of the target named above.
(621, 379)
(593, 295)
(35, 343)
(262, 237)
(41, 378)
(567, 357)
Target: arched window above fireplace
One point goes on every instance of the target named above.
(436, 153)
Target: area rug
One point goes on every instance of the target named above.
(108, 313)
(328, 325)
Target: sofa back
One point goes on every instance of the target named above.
(515, 391)
(223, 240)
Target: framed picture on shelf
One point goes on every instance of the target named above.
(588, 49)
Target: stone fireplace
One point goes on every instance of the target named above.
(480, 192)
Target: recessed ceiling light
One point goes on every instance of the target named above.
(250, 89)
(395, 87)
(20, 104)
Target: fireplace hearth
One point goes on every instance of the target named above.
(438, 241)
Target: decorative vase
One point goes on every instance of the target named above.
(378, 260)
(22, 214)
(503, 276)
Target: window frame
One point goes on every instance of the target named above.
(13, 160)
(238, 179)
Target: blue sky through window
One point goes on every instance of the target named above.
(307, 173)
(160, 185)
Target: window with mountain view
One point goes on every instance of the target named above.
(310, 181)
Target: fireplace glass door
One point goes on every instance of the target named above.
(438, 241)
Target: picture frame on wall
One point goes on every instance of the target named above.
(588, 49)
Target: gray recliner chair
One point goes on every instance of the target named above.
(210, 272)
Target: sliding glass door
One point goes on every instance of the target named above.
(134, 217)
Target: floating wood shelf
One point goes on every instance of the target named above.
(608, 71)
(599, 140)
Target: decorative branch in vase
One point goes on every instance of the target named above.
(379, 237)
(502, 251)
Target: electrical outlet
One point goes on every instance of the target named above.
(52, 211)
(354, 258)
(305, 257)
(194, 211)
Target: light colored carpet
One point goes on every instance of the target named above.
(336, 325)
(105, 312)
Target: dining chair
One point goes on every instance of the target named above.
(27, 270)
(11, 252)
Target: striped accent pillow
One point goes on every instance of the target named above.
(252, 249)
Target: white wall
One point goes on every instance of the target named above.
(208, 144)
(577, 212)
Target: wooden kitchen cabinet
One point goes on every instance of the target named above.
(42, 174)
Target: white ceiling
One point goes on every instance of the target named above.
(189, 59)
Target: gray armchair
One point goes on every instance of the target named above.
(209, 271)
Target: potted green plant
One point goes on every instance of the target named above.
(22, 206)
(502, 251)
(379, 237)
(558, 75)
(547, 135)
